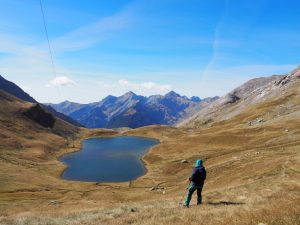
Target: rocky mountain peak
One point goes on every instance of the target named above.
(66, 102)
(296, 73)
(172, 94)
(195, 99)
(287, 79)
(129, 94)
(109, 98)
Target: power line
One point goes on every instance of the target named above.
(49, 46)
(47, 36)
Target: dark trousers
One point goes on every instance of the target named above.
(192, 188)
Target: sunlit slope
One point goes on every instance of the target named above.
(252, 159)
(250, 150)
(252, 93)
(253, 177)
(14, 90)
(25, 143)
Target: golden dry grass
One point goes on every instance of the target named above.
(253, 173)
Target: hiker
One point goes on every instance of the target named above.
(196, 183)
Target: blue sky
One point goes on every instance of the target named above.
(194, 47)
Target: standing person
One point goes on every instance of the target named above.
(196, 183)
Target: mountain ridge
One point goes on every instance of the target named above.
(132, 110)
(251, 93)
(13, 89)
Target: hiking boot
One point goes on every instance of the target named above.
(185, 206)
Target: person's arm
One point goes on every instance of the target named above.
(193, 175)
(204, 174)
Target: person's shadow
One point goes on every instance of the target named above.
(225, 203)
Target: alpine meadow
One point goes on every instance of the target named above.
(149, 112)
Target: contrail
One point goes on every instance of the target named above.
(216, 43)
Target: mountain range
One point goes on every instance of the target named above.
(132, 110)
(129, 110)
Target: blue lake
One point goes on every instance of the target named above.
(113, 159)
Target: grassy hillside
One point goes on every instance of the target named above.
(253, 172)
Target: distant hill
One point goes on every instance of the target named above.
(131, 110)
(15, 90)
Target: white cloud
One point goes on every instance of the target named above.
(123, 82)
(61, 81)
(160, 88)
(141, 88)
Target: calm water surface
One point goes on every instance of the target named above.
(114, 159)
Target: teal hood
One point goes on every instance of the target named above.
(199, 163)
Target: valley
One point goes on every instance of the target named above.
(248, 139)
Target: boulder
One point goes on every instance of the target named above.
(133, 210)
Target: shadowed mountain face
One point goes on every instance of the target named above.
(131, 110)
(11, 88)
(40, 116)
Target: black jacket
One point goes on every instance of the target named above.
(198, 176)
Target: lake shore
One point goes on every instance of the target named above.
(227, 158)
(108, 159)
(86, 134)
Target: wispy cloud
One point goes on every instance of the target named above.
(91, 34)
(26, 56)
(230, 37)
(27, 59)
(216, 42)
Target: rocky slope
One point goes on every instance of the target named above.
(131, 110)
(239, 100)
